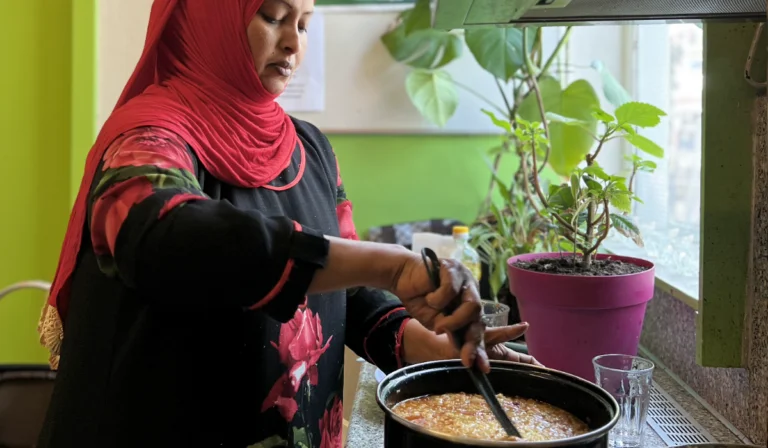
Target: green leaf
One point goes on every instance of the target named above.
(498, 50)
(646, 165)
(627, 128)
(639, 114)
(614, 92)
(562, 197)
(569, 144)
(427, 49)
(433, 93)
(420, 18)
(602, 115)
(625, 226)
(622, 201)
(646, 145)
(597, 171)
(271, 442)
(593, 185)
(503, 124)
(575, 186)
(557, 118)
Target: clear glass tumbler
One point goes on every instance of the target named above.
(495, 314)
(628, 379)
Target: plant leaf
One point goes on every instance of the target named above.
(597, 171)
(433, 93)
(503, 124)
(569, 144)
(602, 115)
(625, 226)
(621, 200)
(498, 50)
(614, 92)
(644, 144)
(639, 114)
(562, 197)
(419, 18)
(557, 118)
(575, 186)
(427, 48)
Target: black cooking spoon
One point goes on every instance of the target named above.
(480, 379)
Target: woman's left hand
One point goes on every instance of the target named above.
(495, 337)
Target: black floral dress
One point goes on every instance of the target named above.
(188, 323)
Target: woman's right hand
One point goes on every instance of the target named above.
(425, 304)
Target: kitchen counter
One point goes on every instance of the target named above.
(366, 427)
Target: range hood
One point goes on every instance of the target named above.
(451, 14)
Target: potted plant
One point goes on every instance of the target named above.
(507, 224)
(581, 303)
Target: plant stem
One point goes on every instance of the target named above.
(489, 196)
(534, 85)
(587, 260)
(607, 229)
(540, 194)
(632, 179)
(480, 96)
(504, 97)
(556, 51)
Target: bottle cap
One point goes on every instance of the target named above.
(460, 230)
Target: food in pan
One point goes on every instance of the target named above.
(468, 415)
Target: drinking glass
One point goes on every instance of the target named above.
(628, 379)
(495, 314)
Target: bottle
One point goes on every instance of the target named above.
(465, 253)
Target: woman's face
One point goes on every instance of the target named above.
(278, 40)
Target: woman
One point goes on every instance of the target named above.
(200, 297)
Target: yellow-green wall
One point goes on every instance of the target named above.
(35, 90)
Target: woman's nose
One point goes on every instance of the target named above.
(291, 41)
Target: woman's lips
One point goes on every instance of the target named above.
(282, 69)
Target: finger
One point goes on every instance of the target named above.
(500, 335)
(422, 312)
(473, 351)
(451, 281)
(522, 358)
(470, 310)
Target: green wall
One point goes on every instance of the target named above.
(35, 88)
(392, 179)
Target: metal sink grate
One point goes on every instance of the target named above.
(672, 423)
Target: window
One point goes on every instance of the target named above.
(667, 72)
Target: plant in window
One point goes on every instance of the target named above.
(514, 57)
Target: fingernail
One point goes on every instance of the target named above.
(524, 323)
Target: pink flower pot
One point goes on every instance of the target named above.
(575, 318)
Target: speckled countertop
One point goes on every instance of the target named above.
(366, 426)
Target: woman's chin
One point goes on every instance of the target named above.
(274, 85)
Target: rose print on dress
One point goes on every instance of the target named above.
(330, 426)
(300, 347)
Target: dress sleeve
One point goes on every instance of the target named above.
(375, 319)
(153, 228)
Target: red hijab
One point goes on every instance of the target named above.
(195, 78)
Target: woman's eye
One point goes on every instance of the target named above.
(269, 19)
